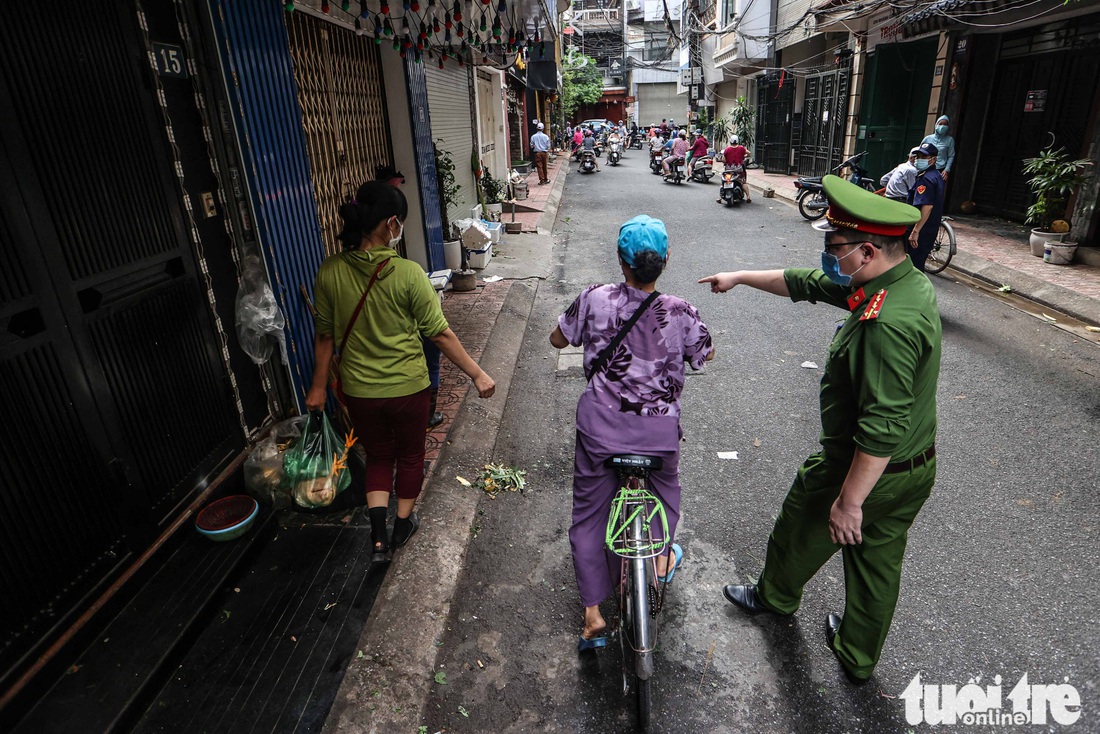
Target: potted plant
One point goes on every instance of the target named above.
(448, 197)
(493, 190)
(1053, 179)
(743, 122)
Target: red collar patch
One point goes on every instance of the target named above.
(855, 299)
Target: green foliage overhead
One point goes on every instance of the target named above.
(582, 83)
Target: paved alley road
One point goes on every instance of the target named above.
(1001, 576)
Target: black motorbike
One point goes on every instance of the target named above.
(675, 175)
(655, 157)
(811, 198)
(732, 190)
(637, 139)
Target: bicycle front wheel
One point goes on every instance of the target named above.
(942, 250)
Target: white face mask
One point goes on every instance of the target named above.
(395, 241)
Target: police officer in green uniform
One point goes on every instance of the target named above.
(860, 493)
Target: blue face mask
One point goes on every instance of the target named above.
(941, 129)
(921, 164)
(830, 263)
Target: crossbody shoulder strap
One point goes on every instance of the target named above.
(359, 306)
(605, 354)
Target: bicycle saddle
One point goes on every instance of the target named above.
(623, 461)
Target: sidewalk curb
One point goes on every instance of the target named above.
(1028, 286)
(1034, 289)
(387, 683)
(545, 225)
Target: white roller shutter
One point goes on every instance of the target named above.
(449, 101)
(657, 101)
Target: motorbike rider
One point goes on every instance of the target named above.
(588, 146)
(899, 182)
(578, 138)
(736, 155)
(679, 150)
(699, 148)
(614, 137)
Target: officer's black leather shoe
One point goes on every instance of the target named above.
(832, 626)
(745, 597)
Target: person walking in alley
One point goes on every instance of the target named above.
(632, 402)
(378, 305)
(861, 492)
(540, 150)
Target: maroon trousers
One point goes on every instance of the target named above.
(391, 431)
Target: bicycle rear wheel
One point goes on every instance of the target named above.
(643, 705)
(942, 250)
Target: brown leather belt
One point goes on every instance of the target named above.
(897, 467)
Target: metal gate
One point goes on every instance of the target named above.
(117, 401)
(774, 105)
(824, 117)
(1068, 81)
(343, 102)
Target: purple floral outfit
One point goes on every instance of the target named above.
(630, 406)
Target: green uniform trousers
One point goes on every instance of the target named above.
(800, 545)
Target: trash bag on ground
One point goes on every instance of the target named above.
(260, 323)
(263, 469)
(315, 468)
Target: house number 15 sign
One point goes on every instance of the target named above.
(170, 60)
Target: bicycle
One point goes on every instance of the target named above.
(943, 249)
(635, 511)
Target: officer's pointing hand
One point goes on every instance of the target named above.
(720, 282)
(846, 523)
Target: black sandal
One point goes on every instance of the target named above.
(381, 553)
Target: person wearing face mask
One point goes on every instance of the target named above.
(945, 144)
(927, 195)
(899, 181)
(373, 306)
(860, 493)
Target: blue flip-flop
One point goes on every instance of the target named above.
(679, 553)
(584, 644)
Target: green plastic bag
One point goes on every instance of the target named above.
(315, 468)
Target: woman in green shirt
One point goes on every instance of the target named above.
(382, 370)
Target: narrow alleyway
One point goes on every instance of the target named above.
(998, 580)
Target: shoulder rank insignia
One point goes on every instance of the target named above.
(874, 306)
(921, 189)
(855, 299)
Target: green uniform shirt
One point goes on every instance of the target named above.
(878, 392)
(384, 356)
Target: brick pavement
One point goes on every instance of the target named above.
(472, 316)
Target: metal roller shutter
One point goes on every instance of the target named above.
(657, 101)
(450, 98)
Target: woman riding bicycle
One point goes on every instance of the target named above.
(632, 402)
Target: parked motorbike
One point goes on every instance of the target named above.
(811, 198)
(588, 161)
(655, 157)
(675, 175)
(732, 190)
(702, 168)
(614, 153)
